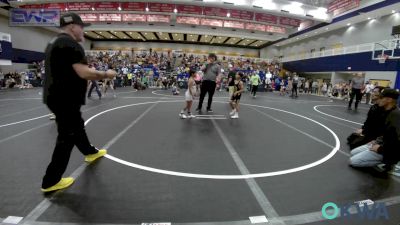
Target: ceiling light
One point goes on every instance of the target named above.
(236, 2)
(175, 10)
(147, 9)
(348, 24)
(100, 32)
(295, 8)
(393, 11)
(369, 18)
(228, 15)
(66, 9)
(327, 28)
(319, 13)
(119, 8)
(92, 9)
(265, 4)
(296, 3)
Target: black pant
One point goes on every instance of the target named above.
(294, 89)
(254, 89)
(368, 98)
(92, 86)
(357, 93)
(71, 132)
(207, 86)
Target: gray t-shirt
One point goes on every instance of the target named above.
(357, 82)
(211, 72)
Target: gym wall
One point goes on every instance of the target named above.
(369, 31)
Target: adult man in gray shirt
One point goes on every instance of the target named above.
(211, 72)
(357, 84)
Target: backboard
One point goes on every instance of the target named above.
(386, 50)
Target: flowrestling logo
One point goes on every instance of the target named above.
(363, 210)
(35, 17)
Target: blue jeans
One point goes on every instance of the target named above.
(363, 157)
(94, 85)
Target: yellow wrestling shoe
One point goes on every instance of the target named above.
(93, 157)
(63, 183)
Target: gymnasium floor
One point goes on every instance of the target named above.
(283, 159)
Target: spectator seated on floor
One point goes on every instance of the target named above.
(10, 82)
(384, 150)
(374, 125)
(175, 90)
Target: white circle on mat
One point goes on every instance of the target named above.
(326, 114)
(224, 177)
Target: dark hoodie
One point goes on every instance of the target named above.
(391, 139)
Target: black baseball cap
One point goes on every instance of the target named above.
(390, 93)
(72, 18)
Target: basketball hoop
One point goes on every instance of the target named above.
(382, 58)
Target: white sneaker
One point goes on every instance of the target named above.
(182, 116)
(232, 113)
(236, 116)
(52, 117)
(190, 116)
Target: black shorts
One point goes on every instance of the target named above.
(235, 98)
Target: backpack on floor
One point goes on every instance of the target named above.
(355, 140)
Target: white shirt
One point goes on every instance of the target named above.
(369, 88)
(124, 70)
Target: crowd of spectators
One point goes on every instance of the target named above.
(29, 78)
(170, 70)
(166, 70)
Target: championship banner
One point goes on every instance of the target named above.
(35, 17)
(341, 6)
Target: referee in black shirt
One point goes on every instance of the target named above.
(66, 66)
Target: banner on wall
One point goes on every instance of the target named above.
(35, 17)
(338, 7)
(134, 6)
(188, 20)
(5, 49)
